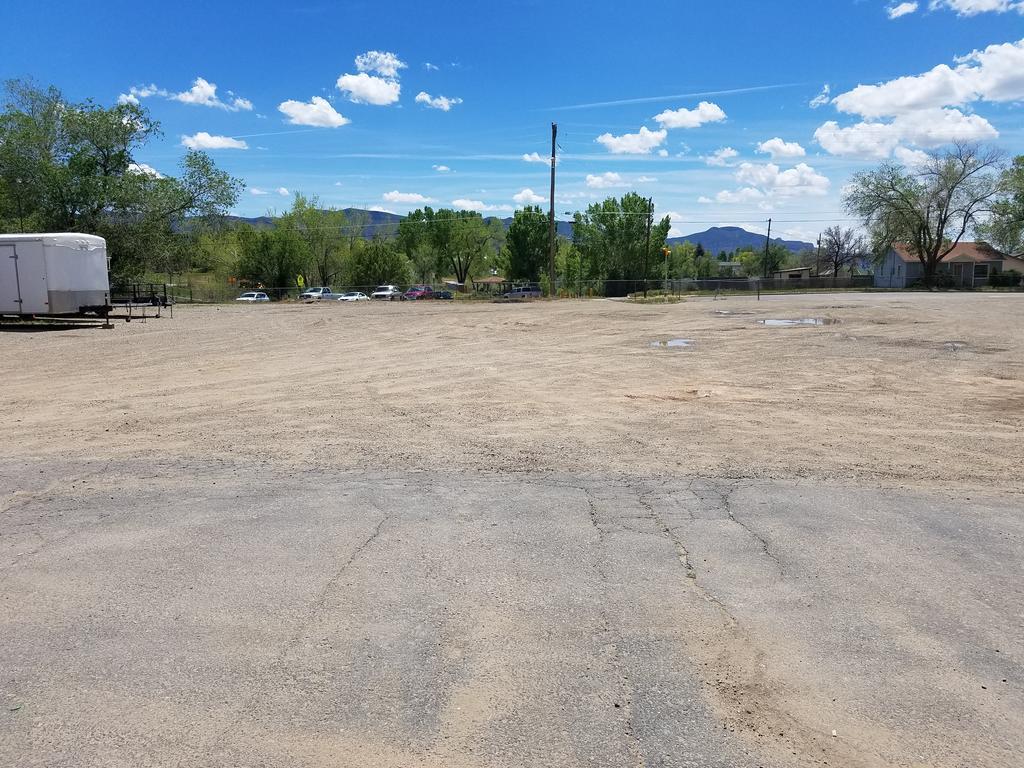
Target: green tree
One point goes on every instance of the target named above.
(271, 257)
(459, 241)
(413, 242)
(612, 236)
(322, 233)
(928, 209)
(71, 167)
(379, 262)
(1006, 227)
(526, 244)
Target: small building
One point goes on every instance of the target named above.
(796, 273)
(491, 284)
(969, 265)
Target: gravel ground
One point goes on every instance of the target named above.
(476, 535)
(906, 389)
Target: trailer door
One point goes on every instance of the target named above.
(23, 279)
(10, 297)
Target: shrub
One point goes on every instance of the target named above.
(1009, 279)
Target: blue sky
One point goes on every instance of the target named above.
(677, 100)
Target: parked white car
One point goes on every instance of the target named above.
(253, 296)
(353, 296)
(316, 294)
(387, 293)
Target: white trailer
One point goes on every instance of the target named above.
(61, 274)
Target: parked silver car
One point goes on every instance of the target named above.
(387, 293)
(524, 292)
(253, 297)
(316, 294)
(353, 296)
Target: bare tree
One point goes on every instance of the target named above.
(927, 209)
(840, 249)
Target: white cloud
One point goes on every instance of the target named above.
(406, 197)
(822, 98)
(257, 191)
(436, 102)
(662, 153)
(721, 157)
(142, 169)
(527, 197)
(760, 182)
(318, 112)
(778, 148)
(606, 180)
(645, 180)
(136, 93)
(926, 128)
(382, 209)
(380, 89)
(204, 93)
(534, 157)
(203, 140)
(367, 89)
(441, 168)
(974, 7)
(911, 157)
(478, 205)
(995, 74)
(283, 191)
(706, 112)
(381, 62)
(430, 67)
(903, 9)
(744, 195)
(633, 143)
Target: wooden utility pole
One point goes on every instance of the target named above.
(647, 242)
(551, 213)
(817, 259)
(767, 242)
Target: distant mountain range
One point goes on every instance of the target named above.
(714, 240)
(728, 239)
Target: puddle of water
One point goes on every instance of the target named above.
(954, 346)
(672, 344)
(799, 321)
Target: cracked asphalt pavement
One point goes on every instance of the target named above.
(467, 619)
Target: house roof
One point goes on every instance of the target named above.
(968, 252)
(490, 280)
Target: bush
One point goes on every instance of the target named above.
(1009, 279)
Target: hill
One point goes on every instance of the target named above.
(728, 239)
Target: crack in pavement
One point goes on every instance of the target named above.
(726, 498)
(626, 688)
(277, 664)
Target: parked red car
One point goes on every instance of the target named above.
(418, 292)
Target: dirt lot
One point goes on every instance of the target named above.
(904, 390)
(471, 535)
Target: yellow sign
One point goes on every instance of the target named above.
(300, 281)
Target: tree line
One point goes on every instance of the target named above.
(68, 166)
